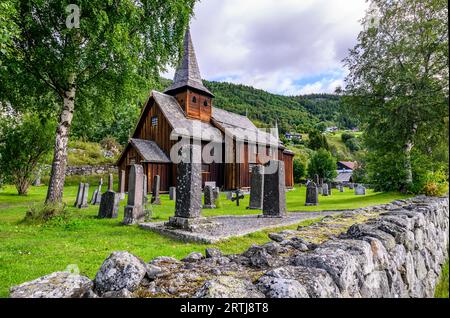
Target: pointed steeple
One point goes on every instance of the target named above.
(187, 74)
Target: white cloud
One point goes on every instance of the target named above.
(275, 44)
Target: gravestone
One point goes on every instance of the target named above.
(316, 179)
(329, 188)
(188, 202)
(144, 190)
(312, 194)
(216, 193)
(257, 188)
(155, 190)
(229, 195)
(122, 184)
(37, 181)
(360, 190)
(134, 211)
(109, 204)
(78, 200)
(341, 188)
(238, 195)
(351, 186)
(274, 198)
(325, 189)
(84, 196)
(172, 193)
(97, 195)
(210, 183)
(208, 196)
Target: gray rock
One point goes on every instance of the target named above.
(375, 285)
(275, 287)
(213, 253)
(123, 293)
(228, 287)
(193, 257)
(258, 257)
(55, 285)
(120, 270)
(153, 271)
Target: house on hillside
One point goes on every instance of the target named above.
(293, 136)
(345, 172)
(185, 110)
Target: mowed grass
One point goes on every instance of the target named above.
(30, 251)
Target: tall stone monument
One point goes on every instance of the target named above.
(188, 202)
(312, 194)
(257, 188)
(155, 190)
(109, 204)
(134, 211)
(274, 198)
(78, 200)
(122, 184)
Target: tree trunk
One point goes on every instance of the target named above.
(408, 167)
(56, 183)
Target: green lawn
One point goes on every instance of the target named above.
(30, 251)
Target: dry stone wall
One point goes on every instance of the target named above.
(398, 251)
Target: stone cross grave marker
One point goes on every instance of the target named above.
(238, 195)
(274, 199)
(257, 188)
(134, 211)
(312, 194)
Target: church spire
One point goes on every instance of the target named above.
(188, 72)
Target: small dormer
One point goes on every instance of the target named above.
(187, 87)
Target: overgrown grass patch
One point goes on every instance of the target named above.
(443, 285)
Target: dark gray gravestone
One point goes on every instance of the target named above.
(155, 190)
(172, 193)
(97, 195)
(312, 194)
(208, 196)
(84, 196)
(134, 212)
(351, 186)
(216, 193)
(341, 188)
(257, 188)
(109, 204)
(188, 202)
(316, 179)
(325, 189)
(360, 190)
(122, 184)
(79, 195)
(274, 199)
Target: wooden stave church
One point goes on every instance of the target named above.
(186, 102)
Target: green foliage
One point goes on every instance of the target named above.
(317, 140)
(442, 287)
(398, 89)
(40, 213)
(323, 164)
(88, 153)
(436, 183)
(24, 144)
(299, 170)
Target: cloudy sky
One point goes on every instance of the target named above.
(288, 47)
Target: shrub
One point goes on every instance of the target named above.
(346, 136)
(40, 213)
(299, 170)
(436, 183)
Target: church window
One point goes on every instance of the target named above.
(194, 99)
(205, 103)
(154, 121)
